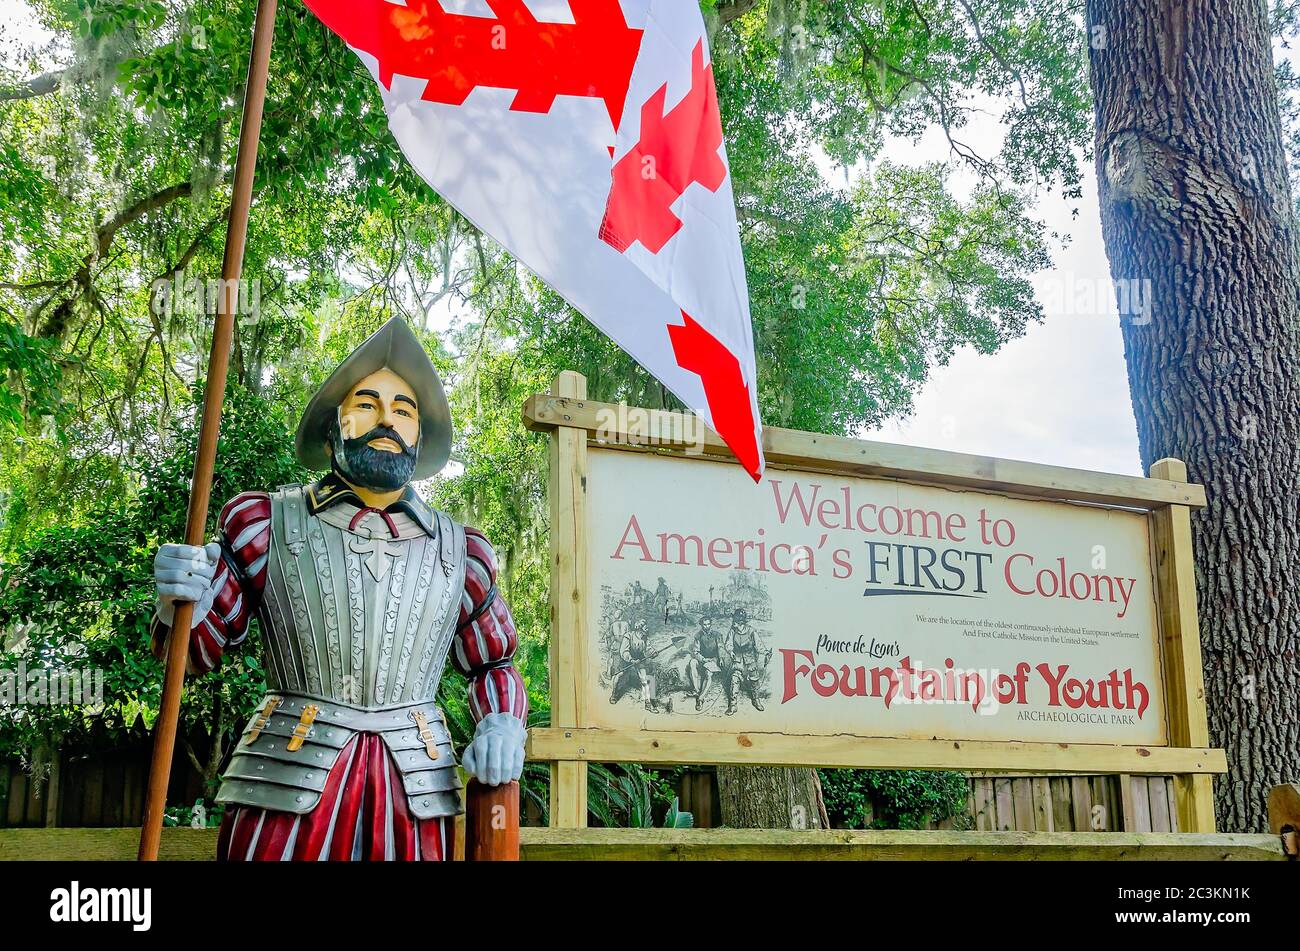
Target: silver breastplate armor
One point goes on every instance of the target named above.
(356, 628)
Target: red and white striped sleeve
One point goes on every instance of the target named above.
(485, 637)
(245, 534)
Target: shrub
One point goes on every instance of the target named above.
(891, 799)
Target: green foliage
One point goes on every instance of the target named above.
(868, 286)
(623, 796)
(892, 799)
(116, 181)
(30, 381)
(629, 796)
(82, 595)
(254, 451)
(210, 812)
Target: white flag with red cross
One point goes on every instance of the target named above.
(584, 136)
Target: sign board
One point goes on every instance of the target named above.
(824, 604)
(866, 605)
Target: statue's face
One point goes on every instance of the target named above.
(378, 433)
(381, 399)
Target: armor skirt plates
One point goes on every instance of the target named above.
(362, 815)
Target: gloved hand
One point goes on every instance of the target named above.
(185, 573)
(496, 754)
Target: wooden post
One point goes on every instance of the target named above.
(1181, 637)
(568, 657)
(1127, 810)
(1284, 816)
(492, 823)
(223, 331)
(53, 789)
(459, 834)
(1284, 808)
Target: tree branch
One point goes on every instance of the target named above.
(57, 322)
(41, 85)
(141, 208)
(993, 51)
(729, 10)
(33, 286)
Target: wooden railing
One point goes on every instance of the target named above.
(721, 844)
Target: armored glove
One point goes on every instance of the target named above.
(496, 754)
(185, 573)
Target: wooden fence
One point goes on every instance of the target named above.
(1021, 803)
(788, 844)
(1120, 803)
(106, 790)
(103, 788)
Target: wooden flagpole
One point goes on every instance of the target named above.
(492, 822)
(164, 736)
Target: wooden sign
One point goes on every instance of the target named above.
(865, 605)
(819, 604)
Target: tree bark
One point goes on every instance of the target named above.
(1195, 198)
(771, 797)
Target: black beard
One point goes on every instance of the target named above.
(374, 469)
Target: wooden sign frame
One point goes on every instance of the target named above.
(572, 741)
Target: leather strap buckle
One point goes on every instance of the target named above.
(265, 717)
(430, 744)
(303, 728)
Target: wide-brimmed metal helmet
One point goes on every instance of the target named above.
(396, 348)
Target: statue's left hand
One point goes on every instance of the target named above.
(496, 754)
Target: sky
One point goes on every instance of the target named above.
(1057, 395)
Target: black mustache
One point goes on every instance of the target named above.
(379, 432)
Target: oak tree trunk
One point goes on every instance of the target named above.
(1195, 199)
(770, 797)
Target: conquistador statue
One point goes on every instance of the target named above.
(363, 591)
